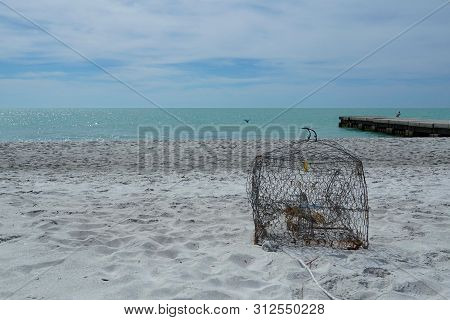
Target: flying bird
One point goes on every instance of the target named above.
(247, 120)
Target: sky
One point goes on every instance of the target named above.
(228, 53)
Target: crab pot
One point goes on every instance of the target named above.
(310, 193)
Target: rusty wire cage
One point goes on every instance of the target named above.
(310, 193)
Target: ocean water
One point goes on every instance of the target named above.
(39, 124)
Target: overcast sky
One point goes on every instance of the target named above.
(254, 53)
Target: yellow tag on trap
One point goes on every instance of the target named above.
(305, 166)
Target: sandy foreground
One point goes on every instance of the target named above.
(93, 220)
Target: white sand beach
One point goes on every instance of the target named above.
(79, 221)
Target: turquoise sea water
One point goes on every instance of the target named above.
(122, 124)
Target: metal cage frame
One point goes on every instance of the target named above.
(313, 192)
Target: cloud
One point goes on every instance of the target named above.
(201, 53)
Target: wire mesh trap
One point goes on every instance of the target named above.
(312, 193)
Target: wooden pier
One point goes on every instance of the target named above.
(398, 126)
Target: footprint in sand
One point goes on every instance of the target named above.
(242, 260)
(8, 238)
